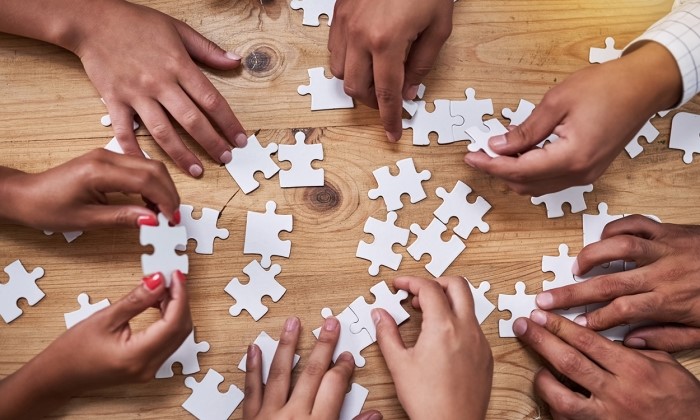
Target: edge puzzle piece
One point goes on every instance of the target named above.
(206, 402)
(325, 93)
(86, 310)
(22, 284)
(555, 201)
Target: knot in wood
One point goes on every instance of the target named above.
(323, 198)
(261, 60)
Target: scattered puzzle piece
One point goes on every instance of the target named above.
(482, 306)
(249, 296)
(555, 201)
(472, 111)
(186, 355)
(380, 251)
(268, 347)
(206, 402)
(480, 139)
(202, 230)
(313, 9)
(352, 343)
(602, 55)
(262, 234)
(325, 93)
(517, 117)
(593, 224)
(353, 402)
(649, 132)
(685, 134)
(440, 122)
(455, 204)
(22, 285)
(411, 106)
(560, 266)
(164, 239)
(69, 236)
(520, 305)
(301, 155)
(391, 188)
(429, 241)
(383, 298)
(252, 158)
(86, 310)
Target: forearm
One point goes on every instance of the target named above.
(9, 196)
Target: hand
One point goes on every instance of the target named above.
(383, 50)
(102, 351)
(73, 196)
(139, 61)
(447, 375)
(664, 288)
(595, 113)
(319, 392)
(623, 383)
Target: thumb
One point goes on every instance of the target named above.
(150, 291)
(369, 415)
(206, 51)
(669, 338)
(537, 127)
(423, 55)
(390, 342)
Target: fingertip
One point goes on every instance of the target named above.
(241, 140)
(195, 170)
(545, 300)
(233, 56)
(520, 327)
(575, 270)
(498, 143)
(179, 276)
(393, 137)
(153, 281)
(635, 343)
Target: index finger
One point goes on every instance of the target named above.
(388, 87)
(430, 294)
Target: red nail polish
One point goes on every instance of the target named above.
(153, 281)
(149, 220)
(176, 217)
(180, 276)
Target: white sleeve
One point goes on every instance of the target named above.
(679, 32)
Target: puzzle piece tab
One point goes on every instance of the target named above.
(472, 111)
(352, 343)
(202, 230)
(380, 251)
(22, 285)
(555, 201)
(313, 9)
(649, 132)
(408, 181)
(455, 204)
(440, 121)
(383, 298)
(482, 306)
(262, 234)
(206, 402)
(268, 348)
(86, 310)
(186, 355)
(685, 135)
(302, 174)
(325, 93)
(164, 239)
(249, 296)
(480, 138)
(602, 55)
(520, 305)
(246, 161)
(429, 241)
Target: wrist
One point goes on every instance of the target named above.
(10, 195)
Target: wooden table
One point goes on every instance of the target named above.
(506, 50)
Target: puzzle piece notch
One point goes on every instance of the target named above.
(561, 266)
(313, 9)
(649, 132)
(429, 241)
(391, 188)
(353, 402)
(206, 402)
(186, 355)
(383, 298)
(302, 174)
(86, 310)
(472, 111)
(203, 230)
(262, 234)
(68, 236)
(22, 285)
(685, 135)
(439, 121)
(520, 305)
(164, 239)
(456, 204)
(325, 93)
(246, 161)
(249, 296)
(555, 201)
(380, 251)
(480, 138)
(352, 343)
(603, 55)
(482, 306)
(268, 347)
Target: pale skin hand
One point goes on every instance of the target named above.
(73, 196)
(623, 383)
(320, 390)
(595, 112)
(383, 49)
(140, 61)
(101, 351)
(664, 288)
(448, 373)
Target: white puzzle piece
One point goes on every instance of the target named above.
(520, 305)
(472, 111)
(480, 138)
(391, 188)
(353, 402)
(380, 251)
(602, 55)
(325, 93)
(352, 343)
(252, 158)
(411, 106)
(262, 234)
(22, 285)
(114, 146)
(440, 122)
(203, 230)
(523, 112)
(649, 132)
(313, 9)
(302, 174)
(68, 236)
(482, 306)
(555, 201)
(268, 347)
(685, 134)
(86, 310)
(186, 355)
(249, 296)
(106, 120)
(455, 204)
(383, 298)
(164, 239)
(560, 266)
(206, 402)
(429, 241)
(593, 224)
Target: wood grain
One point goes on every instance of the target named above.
(506, 50)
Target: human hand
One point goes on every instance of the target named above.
(73, 196)
(664, 288)
(319, 392)
(623, 383)
(595, 112)
(384, 49)
(102, 351)
(448, 373)
(140, 61)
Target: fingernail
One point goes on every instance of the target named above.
(636, 343)
(498, 141)
(232, 56)
(392, 137)
(411, 92)
(176, 217)
(468, 161)
(376, 416)
(520, 327)
(226, 157)
(252, 354)
(376, 316)
(330, 324)
(538, 317)
(291, 324)
(147, 220)
(346, 356)
(180, 276)
(574, 268)
(196, 170)
(153, 281)
(581, 320)
(544, 300)
(241, 140)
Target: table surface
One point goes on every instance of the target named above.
(506, 50)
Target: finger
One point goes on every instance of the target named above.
(460, 297)
(562, 400)
(423, 54)
(310, 379)
(613, 248)
(252, 403)
(388, 86)
(337, 44)
(369, 415)
(625, 310)
(164, 134)
(204, 50)
(433, 301)
(669, 338)
(123, 125)
(280, 376)
(358, 76)
(636, 225)
(150, 291)
(389, 339)
(331, 392)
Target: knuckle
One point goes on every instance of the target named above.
(622, 307)
(277, 374)
(191, 118)
(160, 131)
(385, 95)
(315, 368)
(422, 70)
(569, 363)
(566, 405)
(212, 102)
(337, 71)
(350, 90)
(380, 40)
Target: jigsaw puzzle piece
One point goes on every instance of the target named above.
(482, 306)
(455, 204)
(440, 122)
(325, 93)
(480, 138)
(383, 298)
(22, 285)
(186, 355)
(249, 296)
(203, 230)
(520, 305)
(593, 224)
(472, 111)
(302, 174)
(86, 310)
(523, 112)
(649, 132)
(429, 241)
(206, 402)
(352, 343)
(114, 146)
(391, 188)
(380, 251)
(262, 234)
(268, 347)
(555, 201)
(164, 239)
(68, 236)
(313, 9)
(602, 55)
(246, 161)
(353, 402)
(560, 266)
(685, 134)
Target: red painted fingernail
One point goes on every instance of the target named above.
(176, 217)
(147, 220)
(180, 276)
(153, 281)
